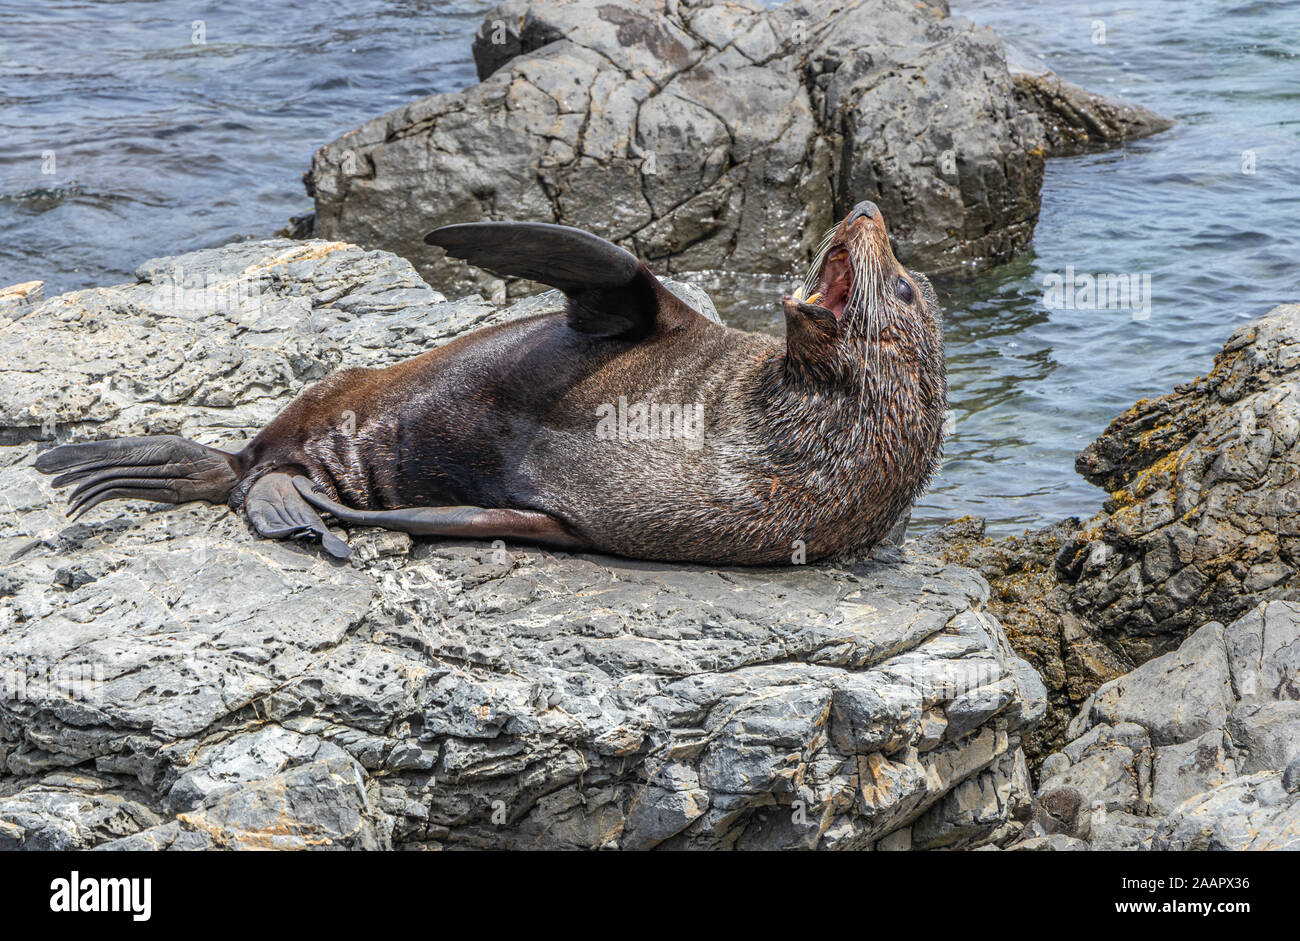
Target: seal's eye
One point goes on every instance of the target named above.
(905, 292)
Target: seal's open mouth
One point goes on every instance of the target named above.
(835, 284)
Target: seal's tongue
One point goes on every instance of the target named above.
(835, 284)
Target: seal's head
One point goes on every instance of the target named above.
(856, 290)
(863, 375)
(856, 304)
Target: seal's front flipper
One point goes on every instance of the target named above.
(277, 511)
(162, 468)
(611, 294)
(472, 522)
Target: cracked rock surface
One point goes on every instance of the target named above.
(1198, 749)
(1033, 608)
(1203, 520)
(171, 682)
(705, 135)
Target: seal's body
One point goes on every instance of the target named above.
(627, 423)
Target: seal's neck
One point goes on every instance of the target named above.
(867, 397)
(865, 418)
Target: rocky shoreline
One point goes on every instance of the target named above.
(1167, 627)
(1200, 525)
(168, 681)
(173, 682)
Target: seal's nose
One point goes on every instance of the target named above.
(864, 210)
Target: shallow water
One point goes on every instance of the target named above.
(163, 145)
(1032, 386)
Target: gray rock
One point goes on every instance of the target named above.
(693, 295)
(1034, 609)
(70, 811)
(1291, 777)
(1110, 766)
(976, 810)
(1075, 120)
(1119, 831)
(1266, 736)
(1186, 770)
(710, 136)
(318, 805)
(1176, 697)
(172, 682)
(18, 296)
(1191, 750)
(226, 766)
(1062, 810)
(1057, 842)
(1198, 746)
(1205, 486)
(1200, 528)
(1253, 812)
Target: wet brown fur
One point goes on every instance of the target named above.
(821, 440)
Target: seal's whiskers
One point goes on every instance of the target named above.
(815, 269)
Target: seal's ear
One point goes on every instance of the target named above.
(929, 296)
(610, 293)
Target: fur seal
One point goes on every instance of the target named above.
(628, 423)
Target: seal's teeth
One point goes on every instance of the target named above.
(814, 298)
(797, 293)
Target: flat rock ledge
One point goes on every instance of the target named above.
(171, 682)
(722, 136)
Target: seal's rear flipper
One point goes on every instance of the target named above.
(472, 522)
(277, 511)
(611, 294)
(163, 468)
